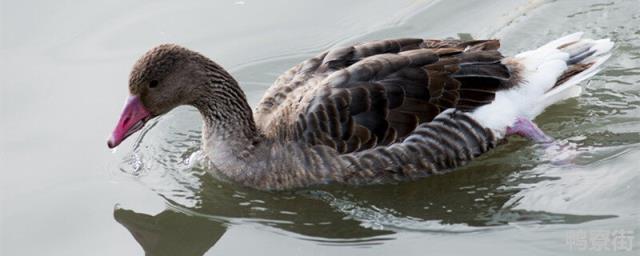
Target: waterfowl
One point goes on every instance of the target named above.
(376, 112)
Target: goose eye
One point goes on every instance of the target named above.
(153, 84)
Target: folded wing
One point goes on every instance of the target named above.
(358, 97)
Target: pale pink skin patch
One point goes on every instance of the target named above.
(525, 128)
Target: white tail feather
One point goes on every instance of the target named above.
(563, 40)
(541, 69)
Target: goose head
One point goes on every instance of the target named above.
(164, 78)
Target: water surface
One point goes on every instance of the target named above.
(64, 68)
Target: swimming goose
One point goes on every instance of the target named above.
(376, 112)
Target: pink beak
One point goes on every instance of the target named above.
(132, 120)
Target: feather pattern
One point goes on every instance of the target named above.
(374, 94)
(450, 140)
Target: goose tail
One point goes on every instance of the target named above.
(584, 58)
(548, 75)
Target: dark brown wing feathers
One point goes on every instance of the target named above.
(378, 93)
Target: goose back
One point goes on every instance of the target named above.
(373, 94)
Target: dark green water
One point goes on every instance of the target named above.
(64, 68)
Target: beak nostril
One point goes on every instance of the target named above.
(126, 120)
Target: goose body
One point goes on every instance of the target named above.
(376, 112)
